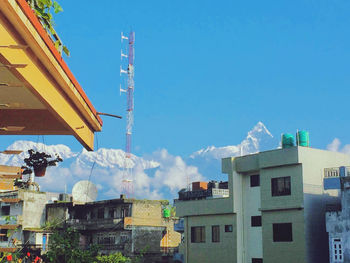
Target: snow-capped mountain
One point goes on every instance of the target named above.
(159, 175)
(257, 139)
(108, 158)
(60, 149)
(208, 160)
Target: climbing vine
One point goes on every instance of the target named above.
(43, 10)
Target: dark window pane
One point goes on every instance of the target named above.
(257, 260)
(282, 232)
(5, 210)
(256, 220)
(3, 236)
(255, 180)
(101, 213)
(280, 186)
(215, 233)
(198, 234)
(228, 228)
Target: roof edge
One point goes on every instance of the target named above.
(41, 31)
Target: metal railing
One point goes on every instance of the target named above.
(9, 220)
(95, 221)
(331, 172)
(333, 207)
(203, 194)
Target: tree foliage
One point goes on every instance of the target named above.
(113, 258)
(64, 248)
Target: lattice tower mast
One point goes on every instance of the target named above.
(127, 182)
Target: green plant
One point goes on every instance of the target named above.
(43, 9)
(64, 248)
(140, 257)
(113, 258)
(38, 160)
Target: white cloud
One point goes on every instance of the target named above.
(173, 172)
(157, 175)
(334, 145)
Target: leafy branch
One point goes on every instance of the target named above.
(43, 9)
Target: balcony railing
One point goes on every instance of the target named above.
(333, 207)
(95, 221)
(203, 194)
(331, 172)
(9, 220)
(342, 171)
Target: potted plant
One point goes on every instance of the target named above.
(38, 161)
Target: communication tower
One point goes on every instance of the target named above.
(127, 181)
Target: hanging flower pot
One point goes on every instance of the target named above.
(39, 171)
(38, 161)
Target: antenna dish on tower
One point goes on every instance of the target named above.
(84, 191)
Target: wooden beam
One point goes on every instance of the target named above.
(5, 169)
(10, 200)
(9, 226)
(8, 249)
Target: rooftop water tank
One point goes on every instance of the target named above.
(166, 212)
(287, 140)
(303, 138)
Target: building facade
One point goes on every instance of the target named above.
(122, 225)
(22, 218)
(338, 214)
(274, 211)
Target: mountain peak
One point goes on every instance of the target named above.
(257, 139)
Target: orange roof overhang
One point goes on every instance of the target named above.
(38, 93)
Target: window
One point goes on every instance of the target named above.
(282, 232)
(280, 186)
(111, 213)
(215, 233)
(255, 180)
(198, 234)
(125, 211)
(256, 220)
(337, 250)
(257, 260)
(5, 210)
(101, 213)
(92, 214)
(228, 228)
(3, 235)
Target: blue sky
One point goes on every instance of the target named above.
(207, 71)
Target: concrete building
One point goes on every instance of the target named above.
(274, 212)
(22, 218)
(121, 225)
(338, 214)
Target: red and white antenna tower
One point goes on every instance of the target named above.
(127, 182)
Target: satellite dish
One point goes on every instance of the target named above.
(84, 191)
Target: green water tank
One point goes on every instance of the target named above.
(166, 213)
(287, 140)
(303, 138)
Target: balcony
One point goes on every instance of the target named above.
(9, 222)
(333, 207)
(204, 194)
(333, 172)
(96, 223)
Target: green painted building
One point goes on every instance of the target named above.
(274, 212)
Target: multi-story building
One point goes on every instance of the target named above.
(22, 217)
(122, 225)
(274, 211)
(338, 214)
